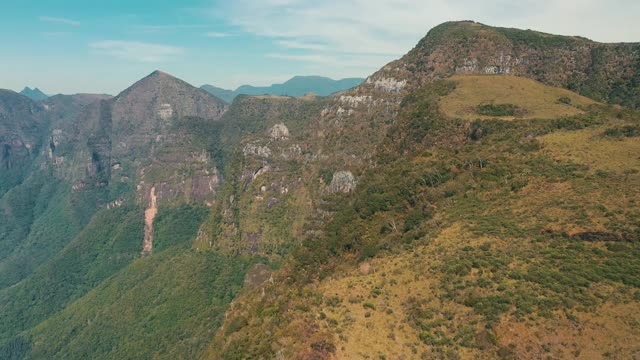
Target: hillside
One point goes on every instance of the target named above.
(296, 86)
(470, 239)
(476, 198)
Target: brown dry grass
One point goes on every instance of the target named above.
(612, 329)
(386, 331)
(589, 147)
(539, 100)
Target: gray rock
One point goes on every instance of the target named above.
(279, 132)
(343, 181)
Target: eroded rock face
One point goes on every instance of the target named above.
(149, 215)
(279, 132)
(343, 181)
(257, 150)
(201, 187)
(390, 85)
(165, 112)
(355, 101)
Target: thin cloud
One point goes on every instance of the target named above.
(168, 28)
(323, 59)
(393, 27)
(293, 44)
(137, 51)
(59, 20)
(361, 62)
(214, 34)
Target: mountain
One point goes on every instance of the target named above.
(476, 198)
(454, 209)
(296, 86)
(34, 94)
(98, 162)
(226, 95)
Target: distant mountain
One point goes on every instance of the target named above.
(296, 86)
(34, 94)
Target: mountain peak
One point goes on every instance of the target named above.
(157, 81)
(159, 90)
(34, 94)
(159, 73)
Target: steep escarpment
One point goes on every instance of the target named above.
(460, 210)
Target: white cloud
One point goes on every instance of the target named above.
(214, 34)
(357, 29)
(59, 20)
(137, 51)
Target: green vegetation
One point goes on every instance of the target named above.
(160, 307)
(624, 131)
(177, 225)
(108, 243)
(498, 110)
(43, 216)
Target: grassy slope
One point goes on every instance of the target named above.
(487, 242)
(538, 100)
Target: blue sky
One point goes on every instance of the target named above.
(69, 46)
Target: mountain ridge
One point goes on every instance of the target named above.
(296, 86)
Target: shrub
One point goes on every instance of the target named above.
(623, 131)
(499, 110)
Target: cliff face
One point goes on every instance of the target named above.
(155, 133)
(22, 123)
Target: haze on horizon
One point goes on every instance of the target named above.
(70, 46)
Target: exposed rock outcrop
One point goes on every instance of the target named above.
(149, 215)
(343, 181)
(257, 150)
(279, 132)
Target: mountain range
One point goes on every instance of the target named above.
(296, 86)
(476, 198)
